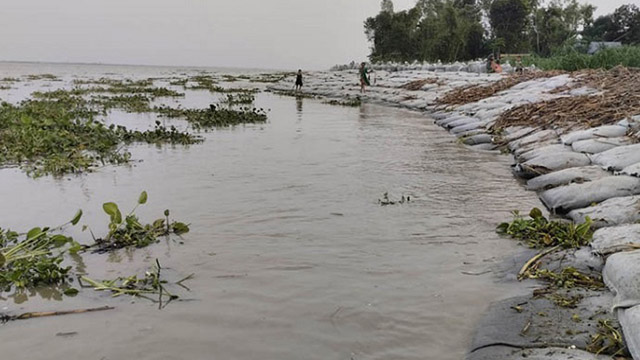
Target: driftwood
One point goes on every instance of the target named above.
(39, 314)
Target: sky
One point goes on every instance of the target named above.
(266, 34)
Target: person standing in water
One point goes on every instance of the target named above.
(364, 78)
(299, 80)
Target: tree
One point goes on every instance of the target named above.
(623, 25)
(386, 6)
(509, 20)
(559, 24)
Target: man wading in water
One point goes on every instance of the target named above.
(299, 80)
(364, 78)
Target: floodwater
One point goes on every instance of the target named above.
(292, 254)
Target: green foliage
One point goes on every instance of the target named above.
(568, 278)
(572, 60)
(622, 25)
(239, 98)
(61, 136)
(215, 116)
(509, 20)
(356, 102)
(129, 231)
(538, 232)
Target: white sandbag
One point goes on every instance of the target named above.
(600, 131)
(632, 170)
(537, 137)
(477, 139)
(567, 176)
(630, 322)
(548, 149)
(621, 274)
(547, 163)
(612, 212)
(468, 127)
(484, 147)
(618, 158)
(449, 119)
(460, 122)
(598, 145)
(566, 198)
(614, 238)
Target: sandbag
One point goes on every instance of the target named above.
(443, 122)
(547, 163)
(594, 146)
(567, 176)
(606, 131)
(468, 127)
(536, 137)
(460, 122)
(547, 149)
(502, 325)
(546, 353)
(477, 139)
(632, 170)
(566, 198)
(630, 322)
(618, 158)
(612, 212)
(614, 238)
(622, 275)
(484, 147)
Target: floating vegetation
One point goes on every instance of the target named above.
(128, 231)
(296, 94)
(34, 258)
(387, 201)
(538, 231)
(608, 339)
(41, 77)
(150, 284)
(348, 102)
(240, 98)
(40, 314)
(215, 116)
(60, 137)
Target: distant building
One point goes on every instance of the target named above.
(596, 46)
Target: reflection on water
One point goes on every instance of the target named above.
(293, 256)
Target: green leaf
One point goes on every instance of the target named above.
(143, 198)
(75, 247)
(36, 231)
(71, 292)
(59, 240)
(76, 218)
(179, 228)
(3, 260)
(166, 212)
(535, 213)
(112, 210)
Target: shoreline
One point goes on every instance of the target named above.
(579, 172)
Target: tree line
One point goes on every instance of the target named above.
(459, 30)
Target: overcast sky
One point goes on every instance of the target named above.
(276, 34)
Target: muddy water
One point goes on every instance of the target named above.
(293, 256)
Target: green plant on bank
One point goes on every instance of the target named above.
(150, 284)
(35, 259)
(348, 102)
(538, 231)
(572, 60)
(239, 98)
(215, 116)
(128, 231)
(607, 340)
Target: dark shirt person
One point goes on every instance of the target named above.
(299, 80)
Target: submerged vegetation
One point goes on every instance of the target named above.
(538, 231)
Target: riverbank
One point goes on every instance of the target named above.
(573, 138)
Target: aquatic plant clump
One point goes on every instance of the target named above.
(349, 102)
(35, 258)
(538, 231)
(215, 116)
(129, 231)
(60, 136)
(240, 98)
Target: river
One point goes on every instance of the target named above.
(293, 256)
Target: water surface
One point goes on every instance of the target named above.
(293, 256)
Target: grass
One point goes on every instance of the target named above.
(573, 60)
